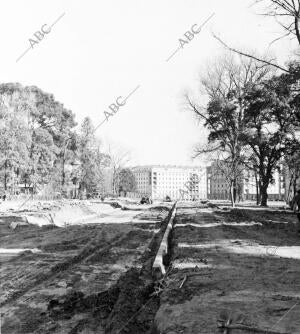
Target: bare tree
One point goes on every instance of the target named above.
(286, 13)
(119, 158)
(225, 82)
(232, 174)
(232, 73)
(262, 60)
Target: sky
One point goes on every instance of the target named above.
(98, 50)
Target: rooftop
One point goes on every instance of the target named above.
(166, 166)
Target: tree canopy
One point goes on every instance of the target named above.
(40, 145)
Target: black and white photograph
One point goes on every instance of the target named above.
(150, 167)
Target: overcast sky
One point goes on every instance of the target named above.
(100, 50)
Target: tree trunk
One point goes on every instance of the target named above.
(5, 175)
(63, 172)
(297, 28)
(257, 189)
(232, 194)
(264, 194)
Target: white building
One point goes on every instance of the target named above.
(218, 186)
(276, 189)
(161, 181)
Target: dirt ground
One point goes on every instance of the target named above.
(234, 267)
(41, 265)
(240, 266)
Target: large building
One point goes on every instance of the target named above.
(276, 190)
(218, 185)
(177, 182)
(108, 187)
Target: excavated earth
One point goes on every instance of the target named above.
(81, 278)
(233, 271)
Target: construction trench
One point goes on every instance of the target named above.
(130, 305)
(204, 270)
(214, 271)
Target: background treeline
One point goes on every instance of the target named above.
(44, 151)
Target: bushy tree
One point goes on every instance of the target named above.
(91, 159)
(39, 145)
(13, 153)
(126, 181)
(272, 113)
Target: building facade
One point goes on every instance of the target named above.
(218, 185)
(158, 182)
(108, 184)
(276, 190)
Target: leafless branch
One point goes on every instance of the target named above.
(249, 56)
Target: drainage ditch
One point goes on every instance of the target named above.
(129, 306)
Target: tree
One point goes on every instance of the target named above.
(226, 83)
(40, 147)
(251, 163)
(271, 115)
(65, 140)
(118, 159)
(13, 153)
(14, 137)
(91, 160)
(292, 173)
(36, 130)
(286, 13)
(126, 181)
(42, 155)
(233, 174)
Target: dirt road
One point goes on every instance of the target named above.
(235, 267)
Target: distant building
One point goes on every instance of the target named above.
(108, 173)
(158, 182)
(276, 190)
(218, 185)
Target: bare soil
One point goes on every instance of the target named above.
(239, 268)
(241, 265)
(70, 284)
